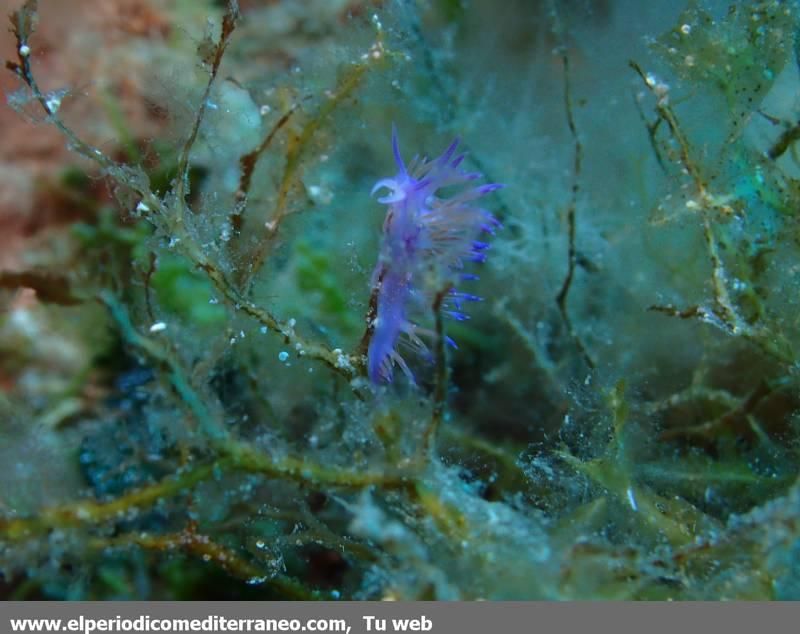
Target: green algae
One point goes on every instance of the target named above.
(619, 421)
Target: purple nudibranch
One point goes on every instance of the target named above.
(427, 238)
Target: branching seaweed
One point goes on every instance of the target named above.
(711, 207)
(203, 451)
(572, 206)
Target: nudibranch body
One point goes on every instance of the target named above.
(427, 238)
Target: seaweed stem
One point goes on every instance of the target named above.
(181, 185)
(577, 166)
(440, 379)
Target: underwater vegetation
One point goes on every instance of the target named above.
(228, 371)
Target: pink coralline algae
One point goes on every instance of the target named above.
(427, 239)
